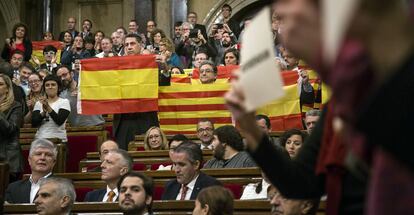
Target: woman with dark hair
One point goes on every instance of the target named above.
(48, 36)
(176, 70)
(231, 57)
(10, 121)
(67, 41)
(51, 111)
(292, 140)
(214, 200)
(19, 41)
(156, 36)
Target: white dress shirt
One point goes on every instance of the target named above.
(109, 190)
(189, 190)
(34, 188)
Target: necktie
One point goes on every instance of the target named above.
(183, 192)
(111, 196)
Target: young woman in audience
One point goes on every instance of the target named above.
(19, 41)
(99, 35)
(231, 57)
(10, 121)
(51, 111)
(67, 41)
(214, 200)
(156, 36)
(176, 70)
(155, 139)
(35, 85)
(47, 36)
(292, 140)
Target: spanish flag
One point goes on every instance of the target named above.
(118, 85)
(38, 47)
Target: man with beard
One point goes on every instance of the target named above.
(42, 159)
(70, 92)
(228, 150)
(187, 159)
(135, 194)
(205, 128)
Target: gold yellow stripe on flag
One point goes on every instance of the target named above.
(184, 129)
(119, 84)
(195, 88)
(288, 104)
(194, 114)
(191, 101)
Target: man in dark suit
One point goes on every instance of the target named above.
(192, 19)
(42, 159)
(187, 159)
(115, 164)
(71, 29)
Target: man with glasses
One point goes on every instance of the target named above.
(205, 128)
(49, 53)
(208, 72)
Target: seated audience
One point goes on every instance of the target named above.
(135, 194)
(71, 29)
(25, 70)
(35, 84)
(200, 57)
(228, 150)
(76, 52)
(256, 190)
(176, 70)
(107, 48)
(155, 139)
(42, 159)
(311, 118)
(70, 92)
(99, 35)
(117, 43)
(67, 42)
(10, 121)
(115, 164)
(89, 42)
(205, 128)
(263, 122)
(292, 141)
(51, 111)
(284, 206)
(86, 28)
(55, 197)
(187, 160)
(167, 50)
(174, 142)
(16, 61)
(106, 147)
(156, 36)
(214, 200)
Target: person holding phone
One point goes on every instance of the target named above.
(51, 112)
(19, 41)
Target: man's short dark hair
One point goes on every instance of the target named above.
(228, 6)
(211, 63)
(205, 120)
(87, 20)
(137, 37)
(147, 182)
(7, 69)
(28, 65)
(231, 136)
(49, 48)
(178, 24)
(177, 137)
(266, 118)
(193, 151)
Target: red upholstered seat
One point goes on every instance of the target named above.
(236, 189)
(139, 166)
(158, 192)
(77, 147)
(156, 165)
(81, 193)
(26, 168)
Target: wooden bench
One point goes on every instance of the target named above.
(234, 179)
(242, 207)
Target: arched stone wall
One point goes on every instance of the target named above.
(10, 13)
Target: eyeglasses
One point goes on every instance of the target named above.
(206, 70)
(201, 130)
(50, 53)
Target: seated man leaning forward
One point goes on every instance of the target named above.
(228, 150)
(55, 197)
(187, 159)
(42, 159)
(115, 164)
(205, 128)
(135, 194)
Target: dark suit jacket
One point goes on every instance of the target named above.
(202, 29)
(95, 195)
(18, 192)
(173, 187)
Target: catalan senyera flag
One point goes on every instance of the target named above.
(183, 103)
(38, 47)
(118, 85)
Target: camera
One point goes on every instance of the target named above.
(219, 25)
(193, 33)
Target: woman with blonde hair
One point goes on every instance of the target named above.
(155, 139)
(167, 49)
(10, 120)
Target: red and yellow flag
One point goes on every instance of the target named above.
(118, 85)
(38, 47)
